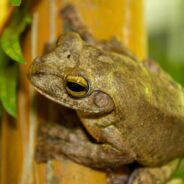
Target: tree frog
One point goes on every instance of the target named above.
(130, 111)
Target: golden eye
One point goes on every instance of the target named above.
(76, 86)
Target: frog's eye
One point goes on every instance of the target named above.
(76, 86)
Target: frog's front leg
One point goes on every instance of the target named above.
(157, 175)
(56, 140)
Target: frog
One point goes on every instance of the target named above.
(113, 110)
(133, 111)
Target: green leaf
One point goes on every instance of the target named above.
(180, 171)
(10, 39)
(15, 2)
(8, 83)
(8, 88)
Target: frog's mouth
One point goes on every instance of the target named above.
(53, 86)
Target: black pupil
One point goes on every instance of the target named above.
(75, 87)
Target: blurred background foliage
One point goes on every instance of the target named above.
(165, 24)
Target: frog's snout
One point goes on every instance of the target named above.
(37, 60)
(34, 68)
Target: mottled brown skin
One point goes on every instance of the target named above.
(134, 112)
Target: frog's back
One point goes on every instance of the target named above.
(153, 111)
(167, 113)
(168, 95)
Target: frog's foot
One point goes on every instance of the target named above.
(55, 141)
(157, 175)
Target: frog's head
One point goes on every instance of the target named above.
(75, 74)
